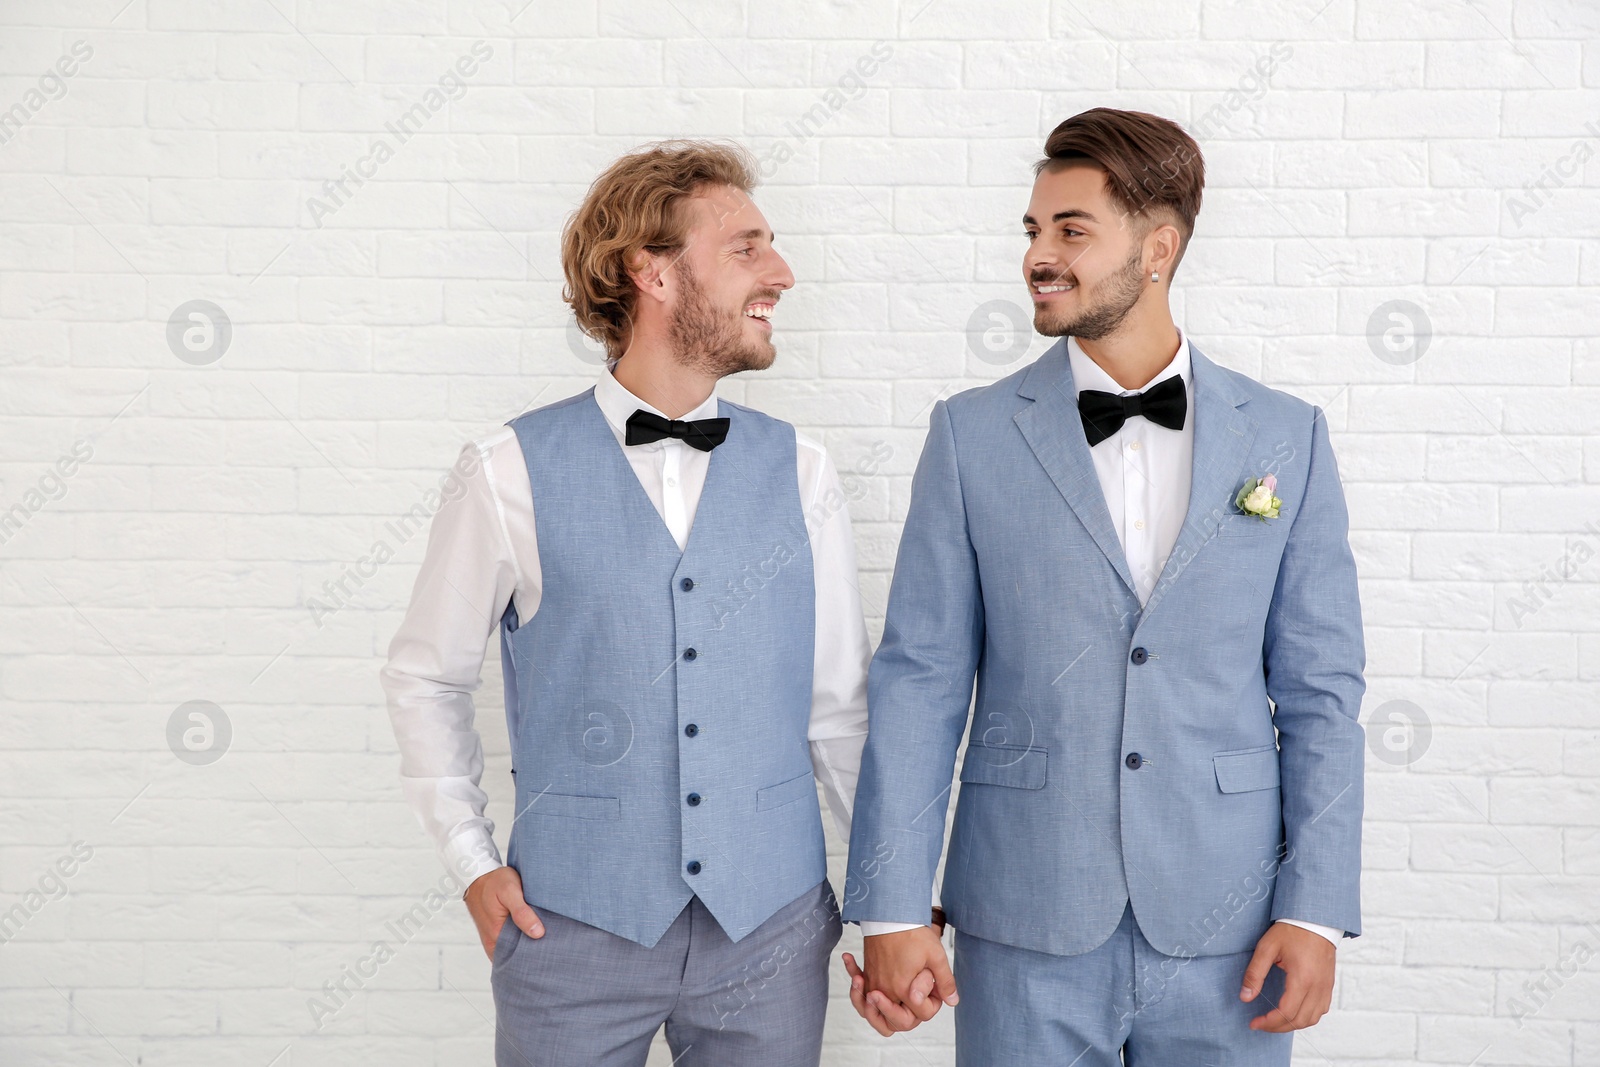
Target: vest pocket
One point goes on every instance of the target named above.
(1247, 769)
(776, 796)
(574, 807)
(1017, 766)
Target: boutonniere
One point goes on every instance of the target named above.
(1255, 498)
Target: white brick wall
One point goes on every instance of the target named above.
(1391, 155)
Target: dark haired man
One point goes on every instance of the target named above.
(1143, 558)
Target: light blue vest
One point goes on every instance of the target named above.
(658, 701)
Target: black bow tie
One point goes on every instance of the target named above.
(1164, 404)
(704, 434)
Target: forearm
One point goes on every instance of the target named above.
(838, 725)
(836, 762)
(450, 811)
(1320, 869)
(441, 768)
(898, 834)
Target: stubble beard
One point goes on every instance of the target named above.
(706, 338)
(1114, 300)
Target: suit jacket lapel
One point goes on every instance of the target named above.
(1054, 430)
(1223, 435)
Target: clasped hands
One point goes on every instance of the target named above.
(908, 978)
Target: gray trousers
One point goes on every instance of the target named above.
(582, 997)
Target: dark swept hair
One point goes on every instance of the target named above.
(1152, 167)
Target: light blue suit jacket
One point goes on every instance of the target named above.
(1234, 815)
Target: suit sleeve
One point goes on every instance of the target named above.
(919, 691)
(1314, 659)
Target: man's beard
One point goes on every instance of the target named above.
(1116, 296)
(708, 339)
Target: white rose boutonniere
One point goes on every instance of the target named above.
(1255, 498)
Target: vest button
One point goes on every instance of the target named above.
(693, 799)
(690, 653)
(694, 867)
(691, 730)
(686, 585)
(1139, 655)
(1134, 761)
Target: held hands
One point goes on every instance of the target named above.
(907, 979)
(493, 898)
(1307, 960)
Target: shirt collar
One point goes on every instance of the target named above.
(617, 403)
(1087, 374)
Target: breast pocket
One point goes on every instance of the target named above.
(1240, 525)
(776, 796)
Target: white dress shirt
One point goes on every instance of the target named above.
(1144, 469)
(1145, 472)
(483, 554)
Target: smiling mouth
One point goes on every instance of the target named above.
(761, 311)
(1046, 291)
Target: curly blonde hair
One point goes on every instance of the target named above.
(637, 205)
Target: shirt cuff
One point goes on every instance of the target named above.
(1328, 932)
(873, 929)
(470, 855)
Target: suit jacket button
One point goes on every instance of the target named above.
(1139, 655)
(693, 800)
(690, 653)
(1134, 761)
(687, 584)
(690, 730)
(694, 867)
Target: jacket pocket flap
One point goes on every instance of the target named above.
(1241, 772)
(775, 796)
(1017, 766)
(574, 807)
